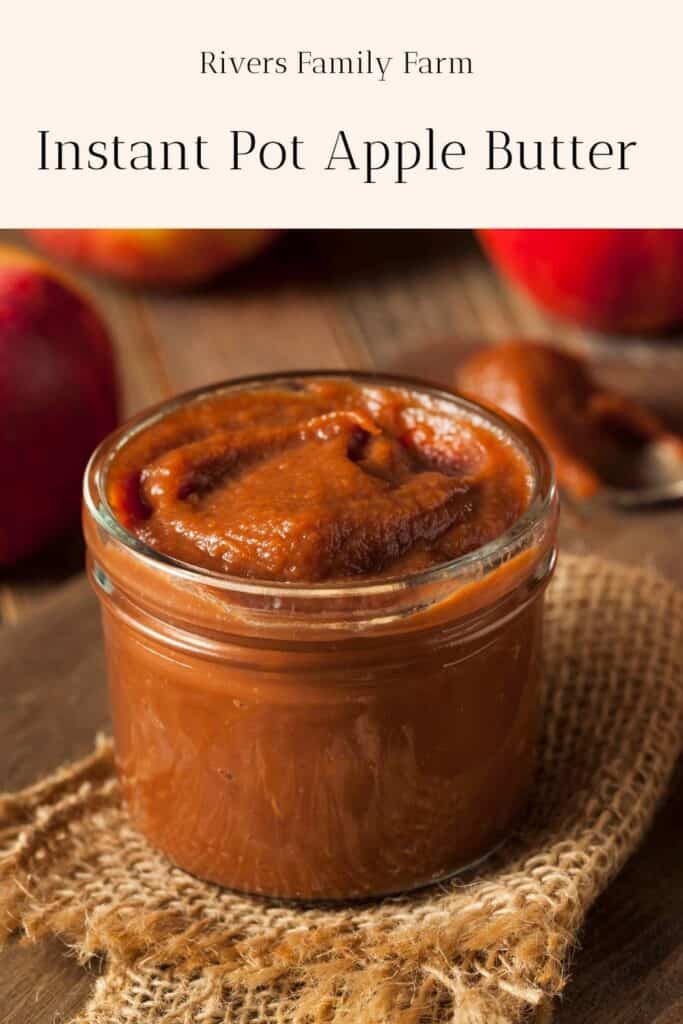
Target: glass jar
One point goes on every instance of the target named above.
(328, 741)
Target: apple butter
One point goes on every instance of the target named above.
(322, 600)
(595, 436)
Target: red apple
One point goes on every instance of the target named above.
(615, 280)
(57, 400)
(154, 257)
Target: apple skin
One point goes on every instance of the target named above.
(162, 257)
(615, 280)
(58, 399)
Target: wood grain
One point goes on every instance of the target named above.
(53, 705)
(399, 301)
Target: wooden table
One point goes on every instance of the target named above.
(409, 302)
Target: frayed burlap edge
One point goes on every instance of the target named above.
(491, 949)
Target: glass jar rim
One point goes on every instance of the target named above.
(493, 553)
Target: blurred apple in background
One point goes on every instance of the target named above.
(615, 280)
(154, 257)
(57, 400)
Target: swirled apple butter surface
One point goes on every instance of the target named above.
(314, 694)
(329, 482)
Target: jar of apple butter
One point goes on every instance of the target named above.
(322, 598)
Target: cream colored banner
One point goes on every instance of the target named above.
(361, 114)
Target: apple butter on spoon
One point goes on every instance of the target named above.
(602, 443)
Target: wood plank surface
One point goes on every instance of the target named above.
(411, 302)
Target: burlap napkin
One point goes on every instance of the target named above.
(490, 949)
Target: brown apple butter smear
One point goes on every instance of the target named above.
(596, 437)
(323, 480)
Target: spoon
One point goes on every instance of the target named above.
(656, 479)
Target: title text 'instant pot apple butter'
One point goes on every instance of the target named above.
(322, 599)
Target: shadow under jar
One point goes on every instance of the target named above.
(342, 738)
